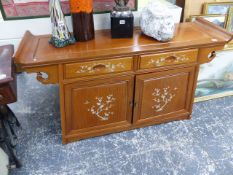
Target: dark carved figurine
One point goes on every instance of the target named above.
(121, 5)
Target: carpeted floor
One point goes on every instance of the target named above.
(201, 146)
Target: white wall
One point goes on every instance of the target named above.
(11, 32)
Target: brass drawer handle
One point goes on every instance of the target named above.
(99, 67)
(1, 97)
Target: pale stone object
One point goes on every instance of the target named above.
(157, 21)
(4, 163)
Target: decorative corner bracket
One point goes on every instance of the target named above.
(46, 74)
(206, 55)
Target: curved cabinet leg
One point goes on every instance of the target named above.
(46, 74)
(206, 55)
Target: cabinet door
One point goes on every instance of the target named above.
(164, 96)
(98, 107)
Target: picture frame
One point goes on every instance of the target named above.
(229, 28)
(220, 20)
(223, 0)
(215, 79)
(229, 25)
(229, 46)
(221, 8)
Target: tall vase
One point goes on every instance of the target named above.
(82, 19)
(61, 36)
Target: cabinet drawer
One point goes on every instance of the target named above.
(98, 67)
(169, 58)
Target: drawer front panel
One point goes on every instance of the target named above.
(98, 67)
(167, 59)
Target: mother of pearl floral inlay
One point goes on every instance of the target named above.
(161, 61)
(102, 107)
(162, 97)
(109, 67)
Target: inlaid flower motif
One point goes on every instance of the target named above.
(162, 97)
(109, 67)
(161, 61)
(102, 107)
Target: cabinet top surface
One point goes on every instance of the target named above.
(6, 53)
(36, 51)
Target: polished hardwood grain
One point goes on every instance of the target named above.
(8, 93)
(6, 53)
(111, 85)
(36, 51)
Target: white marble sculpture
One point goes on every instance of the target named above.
(157, 21)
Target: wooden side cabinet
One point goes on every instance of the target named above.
(111, 85)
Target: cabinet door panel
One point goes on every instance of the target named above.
(98, 105)
(163, 95)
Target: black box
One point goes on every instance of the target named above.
(122, 27)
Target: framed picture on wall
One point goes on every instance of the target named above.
(216, 78)
(229, 28)
(217, 8)
(220, 20)
(230, 20)
(26, 9)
